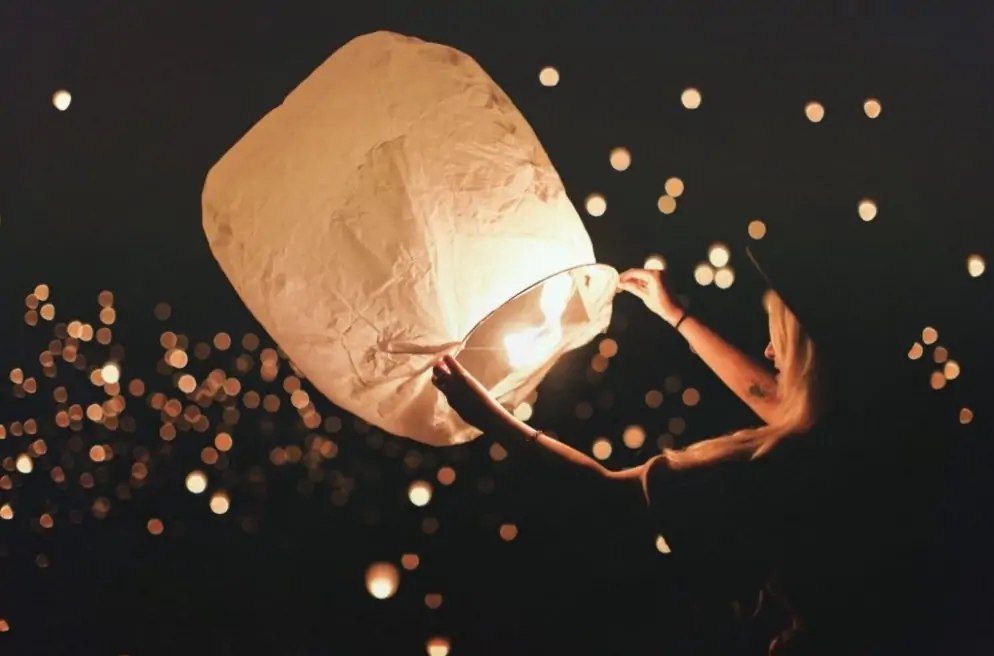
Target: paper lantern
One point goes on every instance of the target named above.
(397, 207)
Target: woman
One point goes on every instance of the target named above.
(812, 496)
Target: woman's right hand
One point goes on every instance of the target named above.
(653, 288)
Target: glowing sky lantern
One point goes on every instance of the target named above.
(382, 580)
(397, 207)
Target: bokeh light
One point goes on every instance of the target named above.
(655, 262)
(674, 187)
(867, 209)
(633, 437)
(437, 646)
(196, 481)
(508, 532)
(620, 159)
(220, 503)
(757, 229)
(872, 107)
(382, 580)
(601, 448)
(419, 493)
(718, 255)
(548, 76)
(704, 274)
(975, 265)
(596, 205)
(691, 98)
(724, 277)
(666, 204)
(814, 111)
(61, 100)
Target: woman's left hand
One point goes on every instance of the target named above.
(466, 395)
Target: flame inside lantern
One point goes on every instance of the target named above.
(531, 346)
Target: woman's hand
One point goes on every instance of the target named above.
(653, 288)
(467, 396)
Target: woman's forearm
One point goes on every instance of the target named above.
(747, 379)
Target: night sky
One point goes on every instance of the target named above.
(106, 196)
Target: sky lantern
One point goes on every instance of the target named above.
(397, 207)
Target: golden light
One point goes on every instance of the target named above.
(223, 441)
(691, 98)
(4, 626)
(25, 464)
(633, 437)
(724, 277)
(596, 205)
(872, 107)
(975, 265)
(61, 100)
(110, 373)
(155, 526)
(602, 448)
(691, 397)
(965, 417)
(607, 347)
(548, 76)
(196, 481)
(929, 335)
(620, 159)
(177, 358)
(532, 346)
(937, 381)
(6, 511)
(186, 384)
(815, 111)
(419, 493)
(661, 545)
(718, 255)
(46, 521)
(410, 561)
(655, 262)
(653, 398)
(382, 580)
(940, 354)
(951, 370)
(508, 532)
(916, 351)
(666, 204)
(867, 209)
(220, 503)
(704, 274)
(437, 646)
(433, 600)
(674, 187)
(523, 411)
(446, 476)
(497, 452)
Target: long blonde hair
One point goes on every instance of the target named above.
(799, 392)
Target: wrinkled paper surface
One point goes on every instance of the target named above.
(392, 201)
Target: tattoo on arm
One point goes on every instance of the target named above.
(757, 391)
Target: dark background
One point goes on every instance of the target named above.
(107, 196)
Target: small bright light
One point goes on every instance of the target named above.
(523, 411)
(916, 351)
(655, 262)
(937, 380)
(951, 370)
(718, 255)
(196, 481)
(674, 187)
(548, 76)
(965, 415)
(691, 98)
(382, 580)
(110, 373)
(220, 503)
(419, 493)
(24, 464)
(633, 437)
(6, 511)
(602, 448)
(61, 100)
(437, 646)
(872, 107)
(704, 274)
(975, 265)
(596, 205)
(410, 561)
(815, 111)
(666, 204)
(508, 532)
(757, 229)
(724, 277)
(929, 335)
(867, 209)
(621, 159)
(661, 545)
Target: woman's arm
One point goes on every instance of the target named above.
(747, 379)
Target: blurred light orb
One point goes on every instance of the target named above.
(633, 437)
(220, 503)
(929, 335)
(655, 262)
(446, 476)
(951, 370)
(867, 209)
(419, 493)
(718, 255)
(548, 76)
(691, 98)
(916, 351)
(596, 205)
(965, 416)
(25, 464)
(110, 373)
(872, 107)
(437, 646)
(661, 545)
(602, 448)
(757, 229)
(61, 100)
(508, 532)
(704, 274)
(6, 511)
(382, 580)
(155, 526)
(410, 561)
(815, 111)
(523, 411)
(196, 481)
(674, 187)
(937, 380)
(666, 204)
(975, 265)
(621, 159)
(724, 277)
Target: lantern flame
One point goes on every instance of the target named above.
(531, 346)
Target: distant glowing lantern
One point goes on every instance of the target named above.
(437, 646)
(382, 580)
(397, 207)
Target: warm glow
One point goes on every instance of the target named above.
(951, 370)
(815, 111)
(446, 476)
(410, 561)
(724, 277)
(523, 411)
(382, 580)
(674, 187)
(602, 448)
(691, 397)
(929, 335)
(508, 532)
(975, 265)
(61, 99)
(532, 346)
(704, 274)
(596, 205)
(654, 398)
(718, 255)
(548, 76)
(155, 526)
(691, 98)
(916, 351)
(666, 204)
(872, 107)
(196, 481)
(661, 545)
(633, 437)
(867, 209)
(757, 229)
(220, 503)
(25, 464)
(937, 380)
(965, 417)
(621, 159)
(437, 646)
(655, 263)
(6, 511)
(419, 493)
(110, 373)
